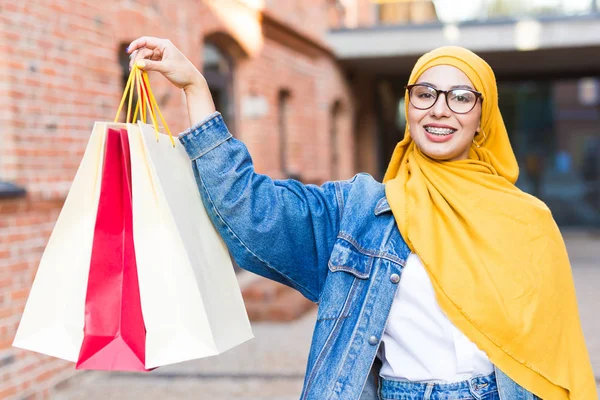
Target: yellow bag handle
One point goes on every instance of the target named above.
(124, 96)
(138, 79)
(153, 100)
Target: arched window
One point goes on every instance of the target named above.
(218, 71)
(283, 110)
(124, 65)
(334, 129)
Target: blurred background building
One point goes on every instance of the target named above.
(313, 87)
(545, 54)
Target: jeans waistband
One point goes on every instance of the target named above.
(477, 388)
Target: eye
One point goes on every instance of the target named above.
(423, 92)
(425, 95)
(462, 96)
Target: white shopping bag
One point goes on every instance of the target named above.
(191, 301)
(53, 319)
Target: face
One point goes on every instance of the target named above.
(439, 132)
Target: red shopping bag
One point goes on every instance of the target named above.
(114, 332)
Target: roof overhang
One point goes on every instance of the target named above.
(514, 48)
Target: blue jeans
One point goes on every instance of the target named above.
(477, 388)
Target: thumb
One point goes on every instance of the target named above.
(149, 65)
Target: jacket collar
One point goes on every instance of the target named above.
(382, 206)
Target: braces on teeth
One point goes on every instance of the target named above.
(440, 131)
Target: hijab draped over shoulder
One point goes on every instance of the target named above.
(494, 254)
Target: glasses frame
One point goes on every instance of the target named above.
(478, 95)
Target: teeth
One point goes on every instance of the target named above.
(439, 131)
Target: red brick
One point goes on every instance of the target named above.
(6, 392)
(262, 290)
(288, 305)
(6, 312)
(20, 294)
(5, 343)
(266, 300)
(20, 267)
(47, 375)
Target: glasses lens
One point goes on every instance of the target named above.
(461, 101)
(422, 96)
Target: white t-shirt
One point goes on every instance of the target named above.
(419, 342)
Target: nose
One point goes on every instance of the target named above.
(440, 108)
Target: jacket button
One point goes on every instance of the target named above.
(395, 278)
(373, 340)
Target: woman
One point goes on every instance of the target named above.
(486, 307)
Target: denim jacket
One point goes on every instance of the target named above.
(338, 244)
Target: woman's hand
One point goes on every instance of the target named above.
(154, 54)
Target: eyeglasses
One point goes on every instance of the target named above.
(460, 101)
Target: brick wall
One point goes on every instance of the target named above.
(314, 86)
(60, 72)
(310, 16)
(24, 229)
(366, 13)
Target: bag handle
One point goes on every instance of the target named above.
(146, 103)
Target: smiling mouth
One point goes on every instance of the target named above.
(440, 131)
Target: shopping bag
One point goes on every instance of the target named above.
(191, 300)
(53, 318)
(114, 333)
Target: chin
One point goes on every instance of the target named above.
(439, 157)
(439, 154)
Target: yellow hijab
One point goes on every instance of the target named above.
(494, 254)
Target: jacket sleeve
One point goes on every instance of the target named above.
(280, 229)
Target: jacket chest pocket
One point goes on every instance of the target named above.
(349, 272)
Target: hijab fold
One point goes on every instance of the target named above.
(494, 254)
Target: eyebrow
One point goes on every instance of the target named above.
(451, 87)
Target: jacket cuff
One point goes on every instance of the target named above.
(205, 136)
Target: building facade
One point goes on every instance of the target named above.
(273, 77)
(546, 57)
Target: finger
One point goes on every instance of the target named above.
(149, 65)
(157, 55)
(140, 54)
(145, 41)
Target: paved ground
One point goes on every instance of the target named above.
(584, 253)
(271, 366)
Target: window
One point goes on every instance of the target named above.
(10, 190)
(7, 189)
(334, 122)
(336, 13)
(218, 71)
(553, 130)
(406, 11)
(283, 109)
(124, 65)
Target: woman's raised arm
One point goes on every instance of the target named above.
(280, 229)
